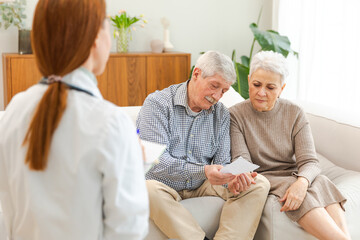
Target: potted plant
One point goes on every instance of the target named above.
(268, 40)
(12, 14)
(122, 23)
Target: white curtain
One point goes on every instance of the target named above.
(326, 33)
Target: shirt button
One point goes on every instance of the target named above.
(189, 151)
(191, 135)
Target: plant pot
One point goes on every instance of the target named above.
(24, 41)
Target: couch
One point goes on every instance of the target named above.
(337, 140)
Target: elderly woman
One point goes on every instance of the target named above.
(275, 134)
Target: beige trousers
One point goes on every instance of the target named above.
(239, 219)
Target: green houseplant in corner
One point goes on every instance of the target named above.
(268, 40)
(12, 14)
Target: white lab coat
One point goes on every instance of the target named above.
(93, 186)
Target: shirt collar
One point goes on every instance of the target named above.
(84, 79)
(181, 97)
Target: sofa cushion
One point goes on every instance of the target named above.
(275, 225)
(348, 182)
(231, 98)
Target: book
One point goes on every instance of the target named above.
(152, 152)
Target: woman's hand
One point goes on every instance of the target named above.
(242, 182)
(295, 195)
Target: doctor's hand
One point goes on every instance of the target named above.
(242, 182)
(215, 177)
(294, 195)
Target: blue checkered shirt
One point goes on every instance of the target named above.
(192, 141)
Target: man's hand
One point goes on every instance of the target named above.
(215, 177)
(294, 195)
(242, 182)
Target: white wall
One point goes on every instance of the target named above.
(195, 25)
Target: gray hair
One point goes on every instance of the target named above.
(270, 61)
(212, 62)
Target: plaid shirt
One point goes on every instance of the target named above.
(193, 140)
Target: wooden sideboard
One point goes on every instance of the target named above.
(126, 81)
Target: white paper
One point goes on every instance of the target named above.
(239, 166)
(152, 153)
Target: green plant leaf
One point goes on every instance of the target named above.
(12, 14)
(123, 22)
(271, 40)
(191, 71)
(233, 56)
(7, 25)
(245, 61)
(241, 84)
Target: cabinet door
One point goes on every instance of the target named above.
(24, 74)
(126, 80)
(163, 71)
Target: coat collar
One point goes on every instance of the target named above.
(84, 79)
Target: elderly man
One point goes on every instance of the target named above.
(188, 118)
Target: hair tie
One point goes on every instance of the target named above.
(53, 79)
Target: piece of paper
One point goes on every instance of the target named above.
(239, 166)
(152, 153)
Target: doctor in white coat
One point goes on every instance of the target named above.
(70, 162)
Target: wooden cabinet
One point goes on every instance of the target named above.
(129, 87)
(126, 81)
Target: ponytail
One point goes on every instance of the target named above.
(58, 51)
(43, 124)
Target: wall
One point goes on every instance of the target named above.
(195, 26)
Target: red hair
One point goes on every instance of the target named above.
(63, 33)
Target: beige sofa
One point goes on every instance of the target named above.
(338, 147)
(337, 140)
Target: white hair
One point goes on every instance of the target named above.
(212, 62)
(270, 61)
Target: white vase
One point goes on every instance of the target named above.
(167, 44)
(157, 46)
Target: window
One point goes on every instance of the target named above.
(326, 33)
